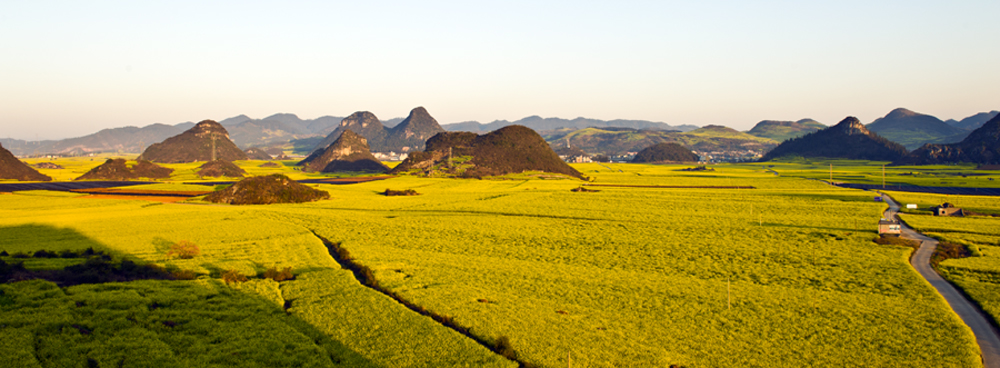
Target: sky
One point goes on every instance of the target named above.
(71, 68)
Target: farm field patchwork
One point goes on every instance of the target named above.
(782, 275)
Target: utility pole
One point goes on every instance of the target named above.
(883, 176)
(831, 173)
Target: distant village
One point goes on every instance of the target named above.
(703, 156)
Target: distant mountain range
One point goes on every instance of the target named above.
(974, 121)
(540, 124)
(284, 130)
(913, 130)
(618, 141)
(982, 146)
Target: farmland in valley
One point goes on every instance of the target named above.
(784, 274)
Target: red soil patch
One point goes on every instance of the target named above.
(140, 192)
(354, 180)
(671, 186)
(163, 199)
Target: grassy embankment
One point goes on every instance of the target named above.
(782, 275)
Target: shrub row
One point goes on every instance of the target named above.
(51, 254)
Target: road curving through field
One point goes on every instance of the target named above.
(986, 335)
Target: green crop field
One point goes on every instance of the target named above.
(782, 275)
(870, 172)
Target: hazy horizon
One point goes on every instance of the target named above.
(72, 69)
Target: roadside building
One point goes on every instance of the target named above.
(889, 227)
(947, 209)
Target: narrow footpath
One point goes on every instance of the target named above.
(986, 335)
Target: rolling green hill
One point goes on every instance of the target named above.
(913, 130)
(784, 130)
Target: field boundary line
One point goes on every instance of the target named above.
(365, 276)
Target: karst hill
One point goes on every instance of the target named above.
(407, 136)
(665, 152)
(119, 169)
(849, 139)
(349, 153)
(267, 189)
(12, 168)
(511, 149)
(982, 146)
(206, 141)
(220, 168)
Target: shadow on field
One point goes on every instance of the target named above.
(25, 242)
(35, 237)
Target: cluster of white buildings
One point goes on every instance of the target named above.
(729, 156)
(390, 156)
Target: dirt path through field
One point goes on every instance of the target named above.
(986, 335)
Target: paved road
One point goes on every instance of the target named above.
(986, 335)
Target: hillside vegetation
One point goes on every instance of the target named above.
(784, 130)
(268, 189)
(665, 152)
(912, 129)
(120, 169)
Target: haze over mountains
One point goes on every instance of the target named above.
(901, 125)
(784, 130)
(538, 123)
(912, 129)
(982, 146)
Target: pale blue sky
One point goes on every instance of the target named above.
(71, 68)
